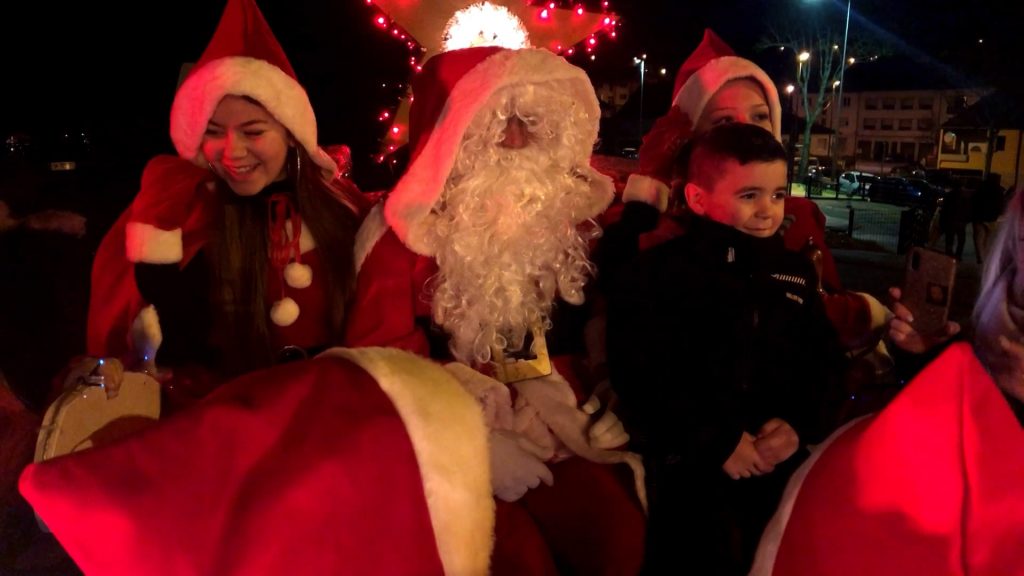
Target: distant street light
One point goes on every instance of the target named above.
(789, 89)
(642, 62)
(842, 69)
(804, 56)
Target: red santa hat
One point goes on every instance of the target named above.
(933, 484)
(452, 88)
(371, 461)
(710, 66)
(243, 59)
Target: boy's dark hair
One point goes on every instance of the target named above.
(702, 158)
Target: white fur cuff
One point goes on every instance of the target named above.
(147, 244)
(651, 191)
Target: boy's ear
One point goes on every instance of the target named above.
(696, 198)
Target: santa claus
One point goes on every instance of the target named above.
(480, 255)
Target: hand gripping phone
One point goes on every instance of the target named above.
(928, 288)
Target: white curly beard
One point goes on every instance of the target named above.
(506, 238)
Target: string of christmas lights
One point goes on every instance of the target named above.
(428, 27)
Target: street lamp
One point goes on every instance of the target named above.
(642, 62)
(839, 103)
(792, 139)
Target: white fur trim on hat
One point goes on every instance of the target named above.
(260, 80)
(448, 435)
(695, 93)
(416, 194)
(148, 244)
(640, 188)
(284, 312)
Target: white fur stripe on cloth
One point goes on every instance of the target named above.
(446, 427)
(768, 549)
(371, 230)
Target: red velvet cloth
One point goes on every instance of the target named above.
(934, 484)
(305, 466)
(312, 329)
(810, 224)
(604, 523)
(171, 196)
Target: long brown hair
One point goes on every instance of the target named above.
(238, 256)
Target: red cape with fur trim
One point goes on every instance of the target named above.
(174, 203)
(367, 462)
(934, 484)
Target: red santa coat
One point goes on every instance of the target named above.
(357, 462)
(589, 518)
(933, 484)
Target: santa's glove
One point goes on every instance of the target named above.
(661, 146)
(608, 431)
(514, 468)
(550, 401)
(494, 398)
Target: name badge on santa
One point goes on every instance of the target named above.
(530, 362)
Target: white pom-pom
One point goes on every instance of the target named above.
(284, 312)
(298, 275)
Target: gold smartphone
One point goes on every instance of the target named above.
(928, 288)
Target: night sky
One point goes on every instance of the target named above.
(117, 80)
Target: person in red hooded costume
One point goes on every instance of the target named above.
(934, 483)
(237, 253)
(479, 254)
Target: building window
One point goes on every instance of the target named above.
(925, 124)
(863, 148)
(871, 103)
(1000, 143)
(924, 103)
(888, 103)
(846, 101)
(887, 124)
(870, 123)
(906, 104)
(925, 150)
(844, 122)
(906, 123)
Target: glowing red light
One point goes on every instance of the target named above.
(579, 10)
(604, 4)
(395, 32)
(381, 21)
(612, 34)
(552, 5)
(544, 14)
(607, 21)
(592, 41)
(418, 69)
(385, 115)
(570, 51)
(395, 130)
(558, 48)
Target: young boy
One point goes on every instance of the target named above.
(720, 350)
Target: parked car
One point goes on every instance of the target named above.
(905, 192)
(856, 183)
